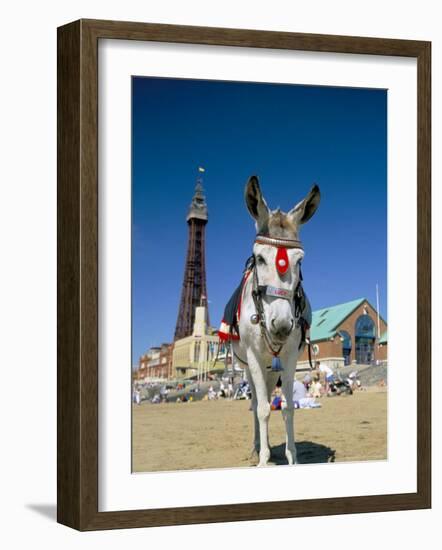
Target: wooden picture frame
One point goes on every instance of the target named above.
(77, 462)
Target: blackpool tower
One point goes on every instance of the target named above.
(194, 289)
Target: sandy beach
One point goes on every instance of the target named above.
(218, 434)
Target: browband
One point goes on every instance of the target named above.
(286, 243)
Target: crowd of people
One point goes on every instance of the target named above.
(305, 394)
(225, 390)
(141, 391)
(184, 391)
(320, 382)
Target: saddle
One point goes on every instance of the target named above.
(229, 329)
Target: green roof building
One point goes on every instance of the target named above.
(348, 333)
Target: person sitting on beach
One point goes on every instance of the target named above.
(315, 387)
(211, 393)
(299, 391)
(276, 403)
(301, 400)
(276, 399)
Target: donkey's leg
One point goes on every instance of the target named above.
(287, 380)
(256, 445)
(263, 408)
(272, 379)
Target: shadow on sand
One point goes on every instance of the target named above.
(308, 453)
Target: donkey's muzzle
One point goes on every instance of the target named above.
(280, 329)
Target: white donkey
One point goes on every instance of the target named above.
(271, 324)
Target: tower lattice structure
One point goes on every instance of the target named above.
(194, 289)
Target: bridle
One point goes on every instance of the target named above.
(296, 296)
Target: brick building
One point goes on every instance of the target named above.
(166, 355)
(347, 334)
(156, 363)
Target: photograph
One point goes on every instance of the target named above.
(220, 247)
(258, 274)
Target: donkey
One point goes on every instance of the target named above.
(271, 323)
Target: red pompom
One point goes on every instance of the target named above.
(282, 260)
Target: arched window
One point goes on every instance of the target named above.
(365, 334)
(346, 346)
(365, 327)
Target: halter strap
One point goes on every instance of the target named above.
(285, 243)
(276, 292)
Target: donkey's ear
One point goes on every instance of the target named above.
(305, 209)
(256, 204)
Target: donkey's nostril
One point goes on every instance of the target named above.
(281, 328)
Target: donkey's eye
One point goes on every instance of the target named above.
(260, 260)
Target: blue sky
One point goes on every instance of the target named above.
(291, 137)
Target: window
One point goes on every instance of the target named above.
(365, 327)
(364, 338)
(346, 346)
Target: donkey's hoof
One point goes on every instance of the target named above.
(264, 457)
(291, 459)
(254, 455)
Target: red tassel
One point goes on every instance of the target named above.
(282, 260)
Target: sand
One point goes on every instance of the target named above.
(218, 434)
